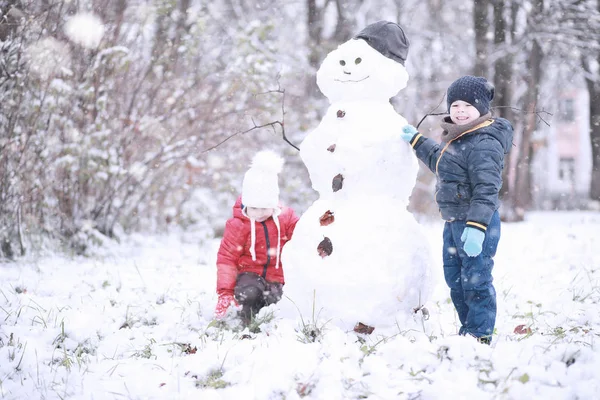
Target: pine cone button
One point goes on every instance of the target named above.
(337, 183)
(325, 248)
(327, 218)
(341, 113)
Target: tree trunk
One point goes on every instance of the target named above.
(120, 7)
(518, 195)
(315, 29)
(593, 85)
(480, 24)
(181, 29)
(345, 24)
(595, 141)
(10, 18)
(318, 45)
(523, 193)
(594, 94)
(502, 81)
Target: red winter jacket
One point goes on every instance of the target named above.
(234, 254)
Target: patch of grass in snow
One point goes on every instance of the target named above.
(60, 338)
(312, 330)
(357, 388)
(220, 326)
(212, 380)
(71, 356)
(487, 375)
(17, 347)
(6, 311)
(149, 322)
(233, 328)
(184, 348)
(585, 288)
(581, 297)
(559, 332)
(41, 318)
(369, 349)
(523, 378)
(128, 320)
(442, 353)
(310, 333)
(531, 317)
(419, 375)
(146, 352)
(258, 320)
(305, 388)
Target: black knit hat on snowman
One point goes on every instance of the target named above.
(475, 90)
(388, 38)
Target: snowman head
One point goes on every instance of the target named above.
(369, 66)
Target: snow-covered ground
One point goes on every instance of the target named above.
(136, 323)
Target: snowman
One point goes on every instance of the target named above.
(358, 258)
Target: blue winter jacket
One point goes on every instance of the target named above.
(468, 170)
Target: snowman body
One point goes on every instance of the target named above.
(357, 254)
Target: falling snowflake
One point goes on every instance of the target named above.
(48, 58)
(85, 29)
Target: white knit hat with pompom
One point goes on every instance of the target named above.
(260, 188)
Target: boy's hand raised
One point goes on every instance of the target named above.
(408, 132)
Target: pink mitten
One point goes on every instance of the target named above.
(223, 304)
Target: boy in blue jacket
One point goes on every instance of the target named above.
(468, 165)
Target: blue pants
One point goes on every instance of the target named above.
(470, 278)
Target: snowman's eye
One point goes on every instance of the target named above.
(358, 61)
(342, 63)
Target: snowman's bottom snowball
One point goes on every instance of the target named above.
(378, 272)
(347, 303)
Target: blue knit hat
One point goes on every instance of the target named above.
(475, 90)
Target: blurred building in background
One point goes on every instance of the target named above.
(563, 158)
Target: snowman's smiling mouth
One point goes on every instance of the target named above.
(352, 81)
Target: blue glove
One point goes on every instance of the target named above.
(408, 132)
(473, 239)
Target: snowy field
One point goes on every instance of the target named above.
(136, 323)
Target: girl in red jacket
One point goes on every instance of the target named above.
(249, 268)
